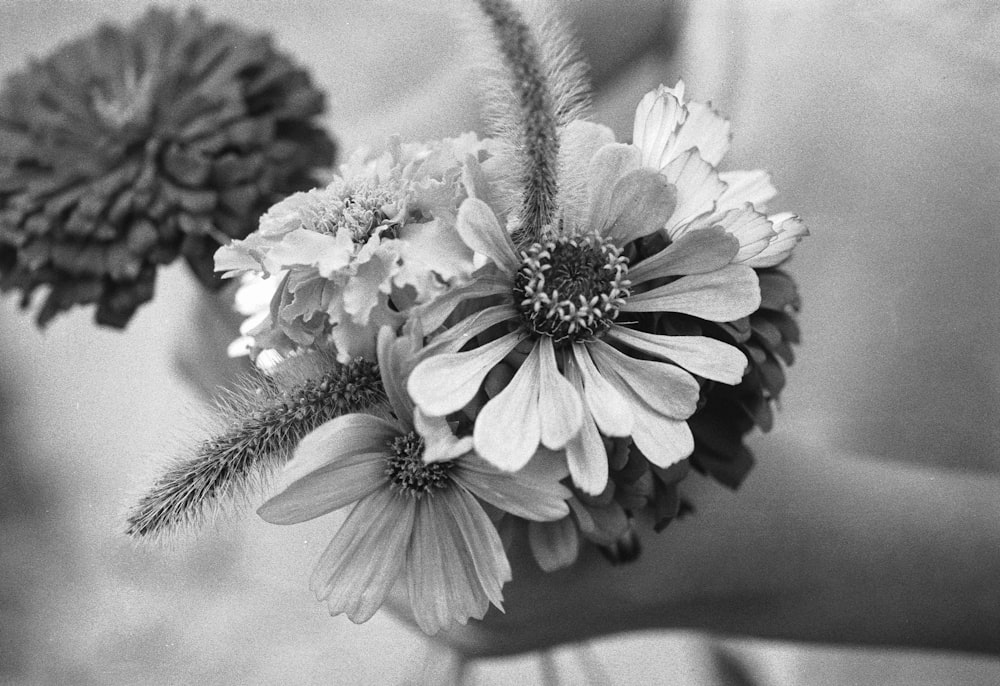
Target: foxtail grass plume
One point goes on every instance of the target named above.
(131, 146)
(263, 422)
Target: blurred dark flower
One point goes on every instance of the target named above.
(128, 147)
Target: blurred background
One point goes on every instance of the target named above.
(880, 124)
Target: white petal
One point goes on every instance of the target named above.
(528, 493)
(695, 252)
(455, 338)
(559, 406)
(341, 483)
(663, 440)
(751, 228)
(486, 561)
(656, 119)
(788, 233)
(341, 437)
(586, 455)
(666, 389)
(720, 296)
(555, 545)
(443, 384)
(745, 186)
(508, 428)
(440, 442)
(479, 228)
(578, 143)
(608, 408)
(485, 282)
(705, 129)
(610, 164)
(698, 188)
(393, 370)
(706, 357)
(365, 557)
(640, 203)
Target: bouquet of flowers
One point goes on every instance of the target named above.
(536, 334)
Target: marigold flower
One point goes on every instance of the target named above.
(352, 256)
(131, 146)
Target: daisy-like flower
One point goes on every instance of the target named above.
(355, 254)
(584, 312)
(418, 515)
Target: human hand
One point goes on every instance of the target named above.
(817, 546)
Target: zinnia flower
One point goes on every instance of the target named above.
(353, 255)
(583, 314)
(129, 147)
(416, 491)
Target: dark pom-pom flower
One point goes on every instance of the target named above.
(131, 146)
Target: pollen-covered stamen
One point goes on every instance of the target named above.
(407, 471)
(571, 287)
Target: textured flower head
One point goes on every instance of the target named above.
(131, 146)
(417, 492)
(584, 313)
(354, 255)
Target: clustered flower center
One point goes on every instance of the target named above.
(407, 471)
(571, 287)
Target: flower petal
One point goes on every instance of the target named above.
(666, 389)
(392, 369)
(698, 188)
(611, 163)
(751, 228)
(484, 283)
(366, 555)
(705, 129)
(656, 119)
(586, 455)
(788, 232)
(640, 204)
(486, 561)
(559, 406)
(720, 296)
(608, 408)
(440, 442)
(339, 438)
(529, 493)
(663, 440)
(706, 357)
(339, 484)
(443, 384)
(754, 187)
(455, 338)
(441, 581)
(481, 231)
(508, 428)
(555, 545)
(695, 252)
(579, 141)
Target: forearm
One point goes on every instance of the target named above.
(841, 549)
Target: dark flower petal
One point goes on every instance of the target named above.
(131, 146)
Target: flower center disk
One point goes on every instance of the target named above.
(407, 471)
(571, 287)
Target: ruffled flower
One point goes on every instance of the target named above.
(132, 146)
(353, 255)
(685, 141)
(417, 492)
(576, 313)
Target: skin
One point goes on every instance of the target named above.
(817, 546)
